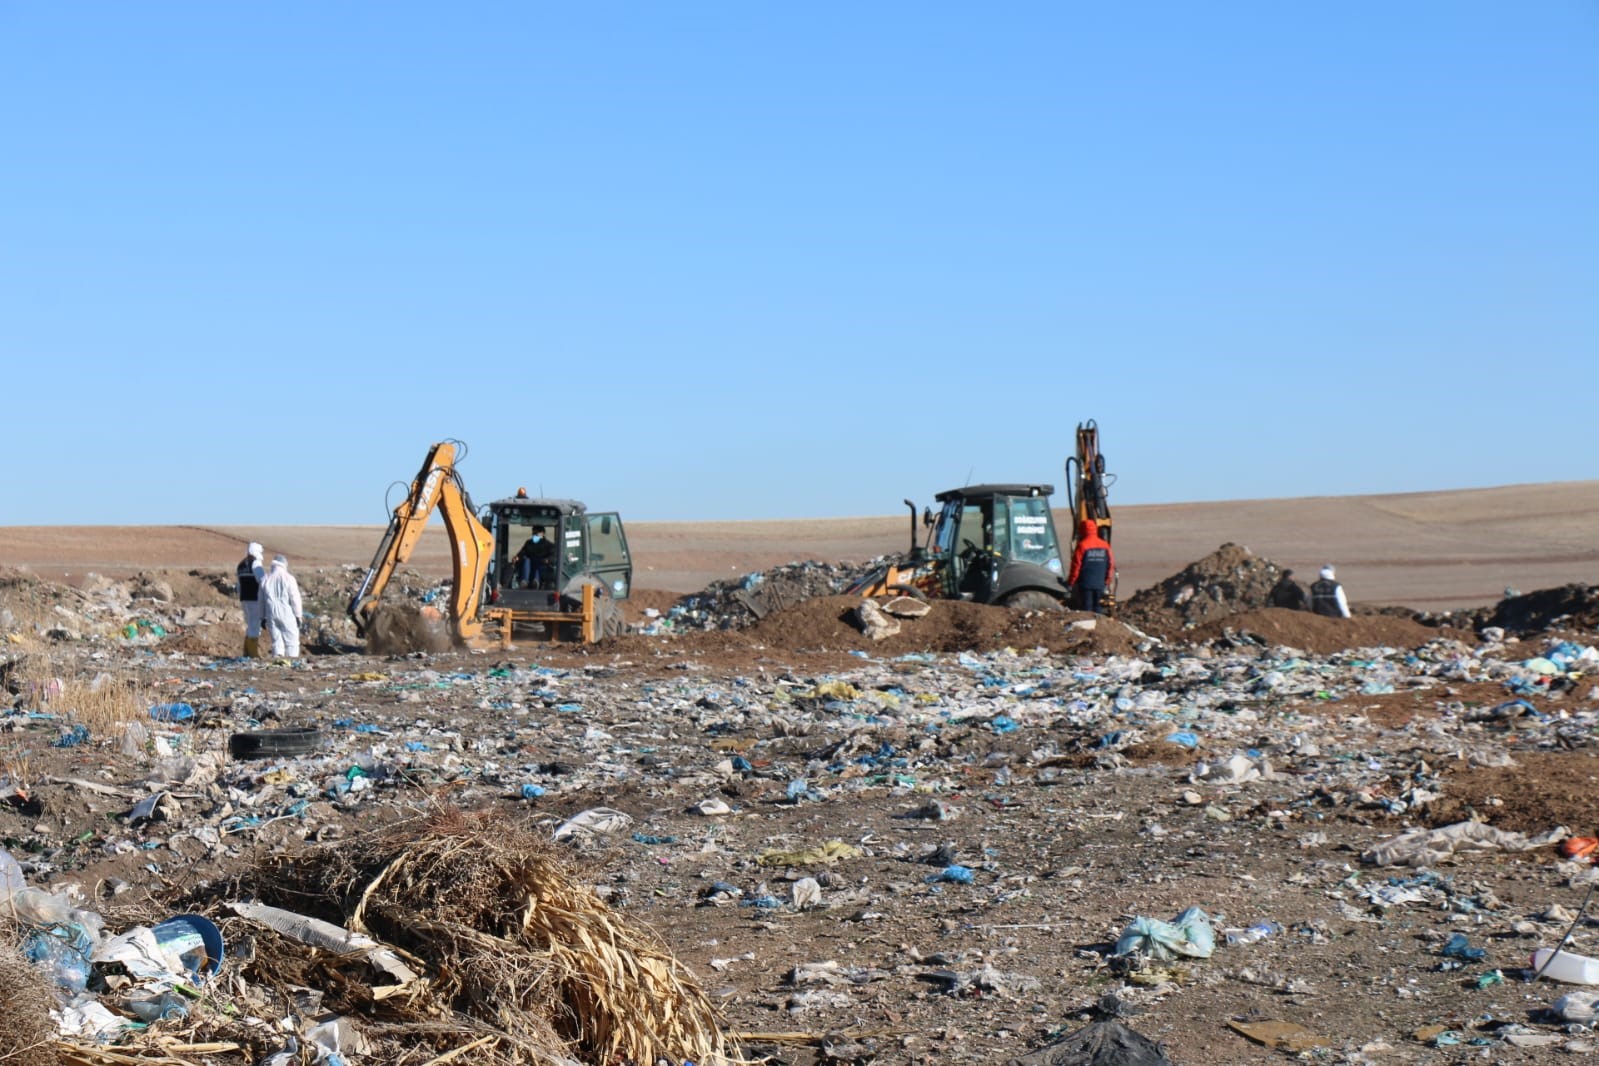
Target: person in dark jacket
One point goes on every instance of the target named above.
(1327, 595)
(250, 573)
(1289, 593)
(1093, 565)
(534, 561)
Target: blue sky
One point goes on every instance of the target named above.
(734, 260)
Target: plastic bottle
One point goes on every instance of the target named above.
(1572, 969)
(1258, 931)
(160, 1008)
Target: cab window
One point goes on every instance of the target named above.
(1032, 534)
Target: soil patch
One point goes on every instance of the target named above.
(951, 626)
(1543, 790)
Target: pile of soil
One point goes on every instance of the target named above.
(951, 626)
(403, 628)
(1228, 580)
(1317, 634)
(1569, 606)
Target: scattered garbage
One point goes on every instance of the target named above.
(951, 806)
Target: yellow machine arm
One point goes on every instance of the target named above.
(437, 485)
(1086, 485)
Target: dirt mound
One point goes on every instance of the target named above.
(1572, 606)
(1228, 580)
(402, 628)
(951, 626)
(1316, 634)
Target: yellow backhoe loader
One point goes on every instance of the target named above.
(522, 559)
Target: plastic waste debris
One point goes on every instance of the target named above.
(78, 734)
(594, 820)
(329, 937)
(63, 954)
(1458, 946)
(953, 874)
(192, 942)
(1581, 1007)
(1565, 966)
(806, 893)
(171, 712)
(1236, 770)
(1189, 935)
(159, 1008)
(1427, 847)
(1257, 932)
(1106, 1042)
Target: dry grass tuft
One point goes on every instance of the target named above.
(520, 952)
(27, 1035)
(105, 705)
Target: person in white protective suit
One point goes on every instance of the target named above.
(250, 574)
(280, 608)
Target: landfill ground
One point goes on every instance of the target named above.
(918, 850)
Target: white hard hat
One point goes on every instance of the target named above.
(1327, 572)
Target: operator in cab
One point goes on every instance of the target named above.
(535, 561)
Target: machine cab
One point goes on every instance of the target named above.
(993, 539)
(542, 546)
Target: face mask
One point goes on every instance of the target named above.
(538, 538)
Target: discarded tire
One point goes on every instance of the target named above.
(271, 743)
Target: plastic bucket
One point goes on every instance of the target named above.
(192, 941)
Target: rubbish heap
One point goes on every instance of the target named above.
(1228, 580)
(869, 849)
(741, 602)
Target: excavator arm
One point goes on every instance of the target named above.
(437, 485)
(1087, 487)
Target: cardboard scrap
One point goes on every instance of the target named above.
(1281, 1036)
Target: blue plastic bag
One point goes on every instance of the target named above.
(1189, 935)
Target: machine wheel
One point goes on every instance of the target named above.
(1032, 600)
(608, 618)
(907, 590)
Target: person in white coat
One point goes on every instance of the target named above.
(250, 574)
(1327, 595)
(280, 608)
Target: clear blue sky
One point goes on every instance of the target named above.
(751, 260)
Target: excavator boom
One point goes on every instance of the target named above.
(437, 485)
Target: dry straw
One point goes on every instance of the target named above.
(521, 956)
(27, 1034)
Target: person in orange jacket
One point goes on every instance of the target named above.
(1093, 564)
